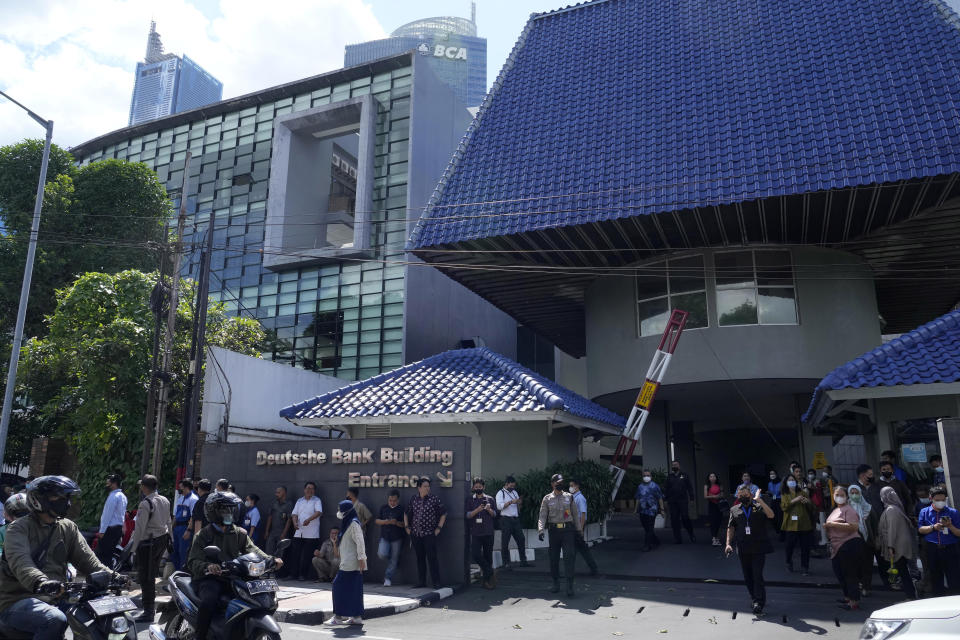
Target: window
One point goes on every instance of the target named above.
(755, 287)
(677, 283)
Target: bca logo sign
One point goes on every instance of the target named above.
(451, 53)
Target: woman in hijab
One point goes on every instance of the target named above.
(868, 532)
(348, 583)
(846, 548)
(897, 536)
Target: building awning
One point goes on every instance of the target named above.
(924, 362)
(462, 385)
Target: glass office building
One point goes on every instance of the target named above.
(309, 232)
(449, 43)
(166, 84)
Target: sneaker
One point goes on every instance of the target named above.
(355, 620)
(334, 621)
(387, 582)
(757, 609)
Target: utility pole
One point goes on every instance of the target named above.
(27, 278)
(158, 298)
(164, 375)
(191, 407)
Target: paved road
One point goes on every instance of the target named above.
(521, 609)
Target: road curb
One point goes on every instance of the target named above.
(317, 616)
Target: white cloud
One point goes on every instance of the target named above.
(72, 60)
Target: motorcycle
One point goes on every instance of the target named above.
(95, 610)
(247, 614)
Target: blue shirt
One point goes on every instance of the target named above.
(774, 488)
(648, 498)
(899, 474)
(581, 501)
(929, 517)
(114, 510)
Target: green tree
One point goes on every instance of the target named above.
(89, 376)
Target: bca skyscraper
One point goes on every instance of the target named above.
(455, 53)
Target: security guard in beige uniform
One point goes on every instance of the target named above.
(559, 513)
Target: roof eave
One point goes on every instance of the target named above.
(471, 416)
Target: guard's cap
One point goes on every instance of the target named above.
(556, 478)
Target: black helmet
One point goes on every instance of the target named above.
(51, 494)
(16, 506)
(220, 504)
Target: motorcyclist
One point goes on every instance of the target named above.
(221, 510)
(13, 508)
(33, 566)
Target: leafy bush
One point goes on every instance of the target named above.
(596, 483)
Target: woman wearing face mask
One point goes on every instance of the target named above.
(846, 548)
(649, 499)
(796, 524)
(774, 488)
(348, 583)
(897, 538)
(713, 494)
(868, 532)
(253, 519)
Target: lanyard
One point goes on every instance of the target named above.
(747, 513)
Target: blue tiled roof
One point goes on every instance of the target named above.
(930, 353)
(458, 381)
(617, 108)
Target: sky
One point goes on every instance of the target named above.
(73, 61)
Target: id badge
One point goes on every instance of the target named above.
(746, 530)
(479, 520)
(794, 518)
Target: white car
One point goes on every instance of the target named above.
(933, 619)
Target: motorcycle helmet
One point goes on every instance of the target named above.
(51, 494)
(222, 507)
(16, 506)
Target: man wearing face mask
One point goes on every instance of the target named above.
(938, 526)
(888, 479)
(36, 550)
(679, 493)
(939, 473)
(480, 514)
(774, 488)
(871, 493)
(559, 514)
(749, 528)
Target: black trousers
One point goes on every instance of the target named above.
(426, 550)
(678, 515)
(562, 539)
(301, 557)
(209, 591)
(511, 528)
(803, 539)
(906, 579)
(713, 509)
(882, 566)
(943, 561)
(650, 538)
(865, 570)
(581, 547)
(148, 562)
(752, 566)
(482, 551)
(846, 567)
(107, 546)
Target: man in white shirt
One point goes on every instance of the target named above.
(508, 502)
(183, 506)
(111, 520)
(306, 520)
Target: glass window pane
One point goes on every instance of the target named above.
(686, 274)
(654, 315)
(737, 306)
(773, 268)
(695, 304)
(734, 268)
(651, 281)
(778, 306)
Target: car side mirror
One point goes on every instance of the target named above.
(283, 545)
(212, 553)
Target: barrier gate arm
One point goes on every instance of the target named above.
(641, 408)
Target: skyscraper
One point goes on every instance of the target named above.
(167, 84)
(449, 43)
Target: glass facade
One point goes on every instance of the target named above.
(343, 318)
(170, 86)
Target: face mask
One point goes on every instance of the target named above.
(339, 515)
(647, 478)
(825, 474)
(228, 520)
(924, 500)
(856, 497)
(886, 476)
(61, 507)
(248, 504)
(479, 492)
(811, 476)
(792, 484)
(773, 476)
(868, 480)
(939, 504)
(676, 469)
(745, 498)
(938, 469)
(840, 500)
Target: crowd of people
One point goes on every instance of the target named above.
(905, 529)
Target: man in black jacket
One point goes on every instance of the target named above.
(679, 492)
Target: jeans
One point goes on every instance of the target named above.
(390, 549)
(482, 551)
(181, 547)
(32, 615)
(426, 549)
(511, 528)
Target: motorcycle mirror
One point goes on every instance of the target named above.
(212, 553)
(283, 545)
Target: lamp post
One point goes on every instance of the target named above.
(27, 277)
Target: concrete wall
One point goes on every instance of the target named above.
(838, 321)
(438, 311)
(257, 390)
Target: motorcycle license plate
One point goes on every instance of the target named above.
(109, 605)
(262, 586)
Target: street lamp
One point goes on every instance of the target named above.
(27, 277)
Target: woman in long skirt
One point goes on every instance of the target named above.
(348, 583)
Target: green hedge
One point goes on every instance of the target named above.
(596, 483)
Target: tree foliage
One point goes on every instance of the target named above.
(89, 377)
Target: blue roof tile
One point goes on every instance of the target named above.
(618, 108)
(458, 381)
(927, 354)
